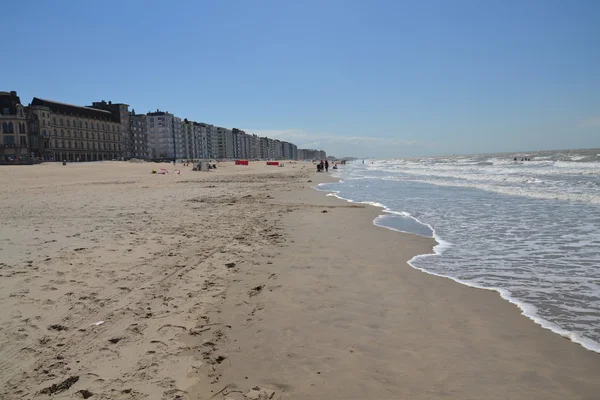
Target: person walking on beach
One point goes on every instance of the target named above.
(326, 166)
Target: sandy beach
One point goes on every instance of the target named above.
(244, 283)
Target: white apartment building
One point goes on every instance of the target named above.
(165, 136)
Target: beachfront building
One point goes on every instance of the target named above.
(187, 130)
(226, 143)
(311, 154)
(121, 111)
(212, 140)
(254, 147)
(286, 150)
(76, 133)
(139, 136)
(165, 136)
(195, 140)
(13, 128)
(40, 141)
(201, 141)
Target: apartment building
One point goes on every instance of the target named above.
(139, 136)
(310, 154)
(226, 143)
(75, 133)
(165, 136)
(121, 111)
(14, 129)
(196, 143)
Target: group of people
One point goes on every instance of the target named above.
(522, 159)
(323, 166)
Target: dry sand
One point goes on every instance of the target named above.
(212, 284)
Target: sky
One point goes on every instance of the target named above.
(354, 78)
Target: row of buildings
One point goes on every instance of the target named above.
(50, 130)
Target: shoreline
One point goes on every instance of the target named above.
(526, 309)
(476, 334)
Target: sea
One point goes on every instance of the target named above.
(528, 229)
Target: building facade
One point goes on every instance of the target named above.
(76, 133)
(311, 154)
(165, 136)
(139, 136)
(14, 129)
(120, 111)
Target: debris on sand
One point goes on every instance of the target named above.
(230, 265)
(57, 327)
(60, 387)
(259, 394)
(86, 394)
(256, 290)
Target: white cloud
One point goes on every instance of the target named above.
(337, 144)
(590, 122)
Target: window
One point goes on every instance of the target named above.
(5, 111)
(4, 127)
(11, 128)
(75, 144)
(68, 123)
(102, 126)
(74, 124)
(20, 112)
(44, 133)
(23, 141)
(62, 133)
(87, 136)
(69, 144)
(80, 124)
(61, 122)
(97, 126)
(85, 124)
(9, 140)
(54, 120)
(62, 144)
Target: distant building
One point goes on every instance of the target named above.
(212, 140)
(310, 154)
(226, 143)
(76, 133)
(14, 129)
(195, 135)
(139, 136)
(165, 137)
(14, 143)
(121, 111)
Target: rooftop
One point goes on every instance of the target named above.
(73, 109)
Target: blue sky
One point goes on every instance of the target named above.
(363, 78)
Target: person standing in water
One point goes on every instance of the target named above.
(326, 166)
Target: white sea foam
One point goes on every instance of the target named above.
(528, 310)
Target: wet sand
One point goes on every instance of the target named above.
(343, 316)
(237, 284)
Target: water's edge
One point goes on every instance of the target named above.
(528, 310)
